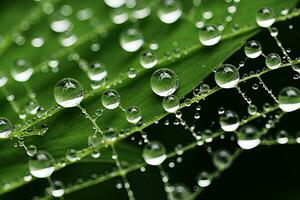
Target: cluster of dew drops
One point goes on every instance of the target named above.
(164, 82)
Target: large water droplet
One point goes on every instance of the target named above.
(209, 35)
(164, 82)
(96, 71)
(227, 76)
(115, 3)
(111, 99)
(171, 103)
(253, 49)
(169, 11)
(61, 25)
(5, 128)
(248, 137)
(131, 39)
(229, 121)
(148, 59)
(22, 70)
(289, 99)
(41, 165)
(133, 114)
(265, 17)
(154, 153)
(273, 61)
(68, 92)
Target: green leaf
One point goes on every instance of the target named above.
(67, 127)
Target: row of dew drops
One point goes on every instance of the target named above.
(164, 82)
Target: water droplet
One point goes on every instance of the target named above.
(289, 99)
(67, 39)
(32, 107)
(274, 31)
(131, 73)
(229, 121)
(148, 59)
(248, 137)
(203, 179)
(61, 25)
(71, 155)
(253, 49)
(222, 159)
(178, 192)
(57, 189)
(273, 61)
(41, 165)
(94, 140)
(265, 17)
(115, 3)
(111, 99)
(133, 114)
(227, 76)
(164, 82)
(252, 109)
(68, 92)
(119, 16)
(37, 42)
(169, 11)
(154, 153)
(282, 137)
(3, 79)
(171, 103)
(131, 39)
(22, 70)
(5, 128)
(96, 71)
(31, 150)
(209, 35)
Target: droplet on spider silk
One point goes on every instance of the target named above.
(222, 159)
(31, 150)
(133, 114)
(282, 137)
(204, 179)
(57, 189)
(111, 99)
(41, 165)
(61, 25)
(248, 137)
(96, 71)
(131, 39)
(32, 107)
(22, 70)
(115, 3)
(229, 121)
(227, 76)
(265, 17)
(209, 35)
(154, 153)
(252, 109)
(67, 39)
(169, 11)
(171, 103)
(179, 192)
(289, 99)
(273, 61)
(148, 59)
(253, 49)
(3, 79)
(5, 128)
(71, 155)
(164, 82)
(68, 92)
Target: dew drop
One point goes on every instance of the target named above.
(5, 128)
(96, 71)
(68, 92)
(227, 76)
(222, 159)
(164, 82)
(61, 25)
(131, 39)
(57, 189)
(41, 165)
(179, 192)
(131, 73)
(289, 99)
(154, 153)
(169, 11)
(265, 17)
(209, 35)
(252, 109)
(203, 179)
(115, 3)
(282, 137)
(248, 137)
(148, 59)
(3, 79)
(229, 121)
(22, 70)
(133, 114)
(31, 150)
(171, 103)
(111, 99)
(71, 155)
(253, 49)
(273, 61)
